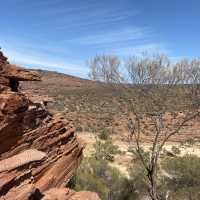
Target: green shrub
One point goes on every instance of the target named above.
(88, 176)
(105, 150)
(145, 154)
(104, 134)
(185, 176)
(138, 178)
(97, 176)
(190, 142)
(175, 150)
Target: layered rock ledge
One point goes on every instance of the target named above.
(39, 152)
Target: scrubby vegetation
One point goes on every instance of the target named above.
(104, 134)
(179, 178)
(105, 150)
(95, 174)
(175, 150)
(150, 83)
(185, 177)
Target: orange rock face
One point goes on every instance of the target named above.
(39, 152)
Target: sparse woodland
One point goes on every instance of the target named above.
(147, 84)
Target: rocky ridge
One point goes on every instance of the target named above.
(39, 152)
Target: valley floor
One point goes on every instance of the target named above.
(123, 160)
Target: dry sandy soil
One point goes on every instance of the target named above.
(122, 162)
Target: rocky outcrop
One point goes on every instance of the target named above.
(39, 152)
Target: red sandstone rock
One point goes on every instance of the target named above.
(10, 75)
(19, 74)
(38, 151)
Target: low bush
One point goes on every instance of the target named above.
(104, 134)
(185, 177)
(105, 150)
(175, 150)
(108, 182)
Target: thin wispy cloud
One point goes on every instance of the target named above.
(140, 49)
(84, 15)
(114, 36)
(58, 34)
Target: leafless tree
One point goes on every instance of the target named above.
(105, 68)
(151, 90)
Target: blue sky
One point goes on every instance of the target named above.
(61, 35)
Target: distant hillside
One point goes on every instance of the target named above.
(91, 106)
(54, 82)
(87, 103)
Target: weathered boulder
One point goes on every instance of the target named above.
(39, 151)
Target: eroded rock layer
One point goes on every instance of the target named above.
(38, 151)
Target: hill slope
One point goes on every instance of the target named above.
(92, 107)
(54, 81)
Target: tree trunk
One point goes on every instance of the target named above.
(153, 185)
